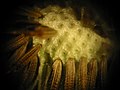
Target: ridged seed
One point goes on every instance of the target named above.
(103, 70)
(82, 74)
(86, 18)
(92, 73)
(70, 74)
(17, 54)
(29, 73)
(32, 13)
(56, 74)
(16, 42)
(28, 56)
(46, 75)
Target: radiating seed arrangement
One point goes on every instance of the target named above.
(64, 53)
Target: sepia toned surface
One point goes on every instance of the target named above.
(59, 34)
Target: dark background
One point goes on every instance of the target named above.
(109, 8)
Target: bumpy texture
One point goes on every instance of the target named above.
(72, 39)
(65, 53)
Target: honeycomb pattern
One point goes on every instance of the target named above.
(72, 39)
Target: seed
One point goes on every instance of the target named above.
(32, 13)
(82, 74)
(70, 74)
(27, 21)
(43, 32)
(56, 74)
(17, 55)
(92, 73)
(16, 42)
(28, 56)
(103, 70)
(100, 31)
(28, 75)
(86, 18)
(46, 75)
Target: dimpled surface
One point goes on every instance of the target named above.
(72, 39)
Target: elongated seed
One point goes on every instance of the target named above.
(16, 42)
(39, 31)
(47, 72)
(28, 56)
(103, 70)
(44, 32)
(32, 68)
(82, 74)
(32, 13)
(56, 73)
(86, 18)
(92, 73)
(28, 75)
(70, 74)
(17, 54)
(29, 21)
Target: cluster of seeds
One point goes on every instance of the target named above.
(65, 52)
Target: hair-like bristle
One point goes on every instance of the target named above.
(56, 74)
(92, 73)
(70, 74)
(82, 74)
